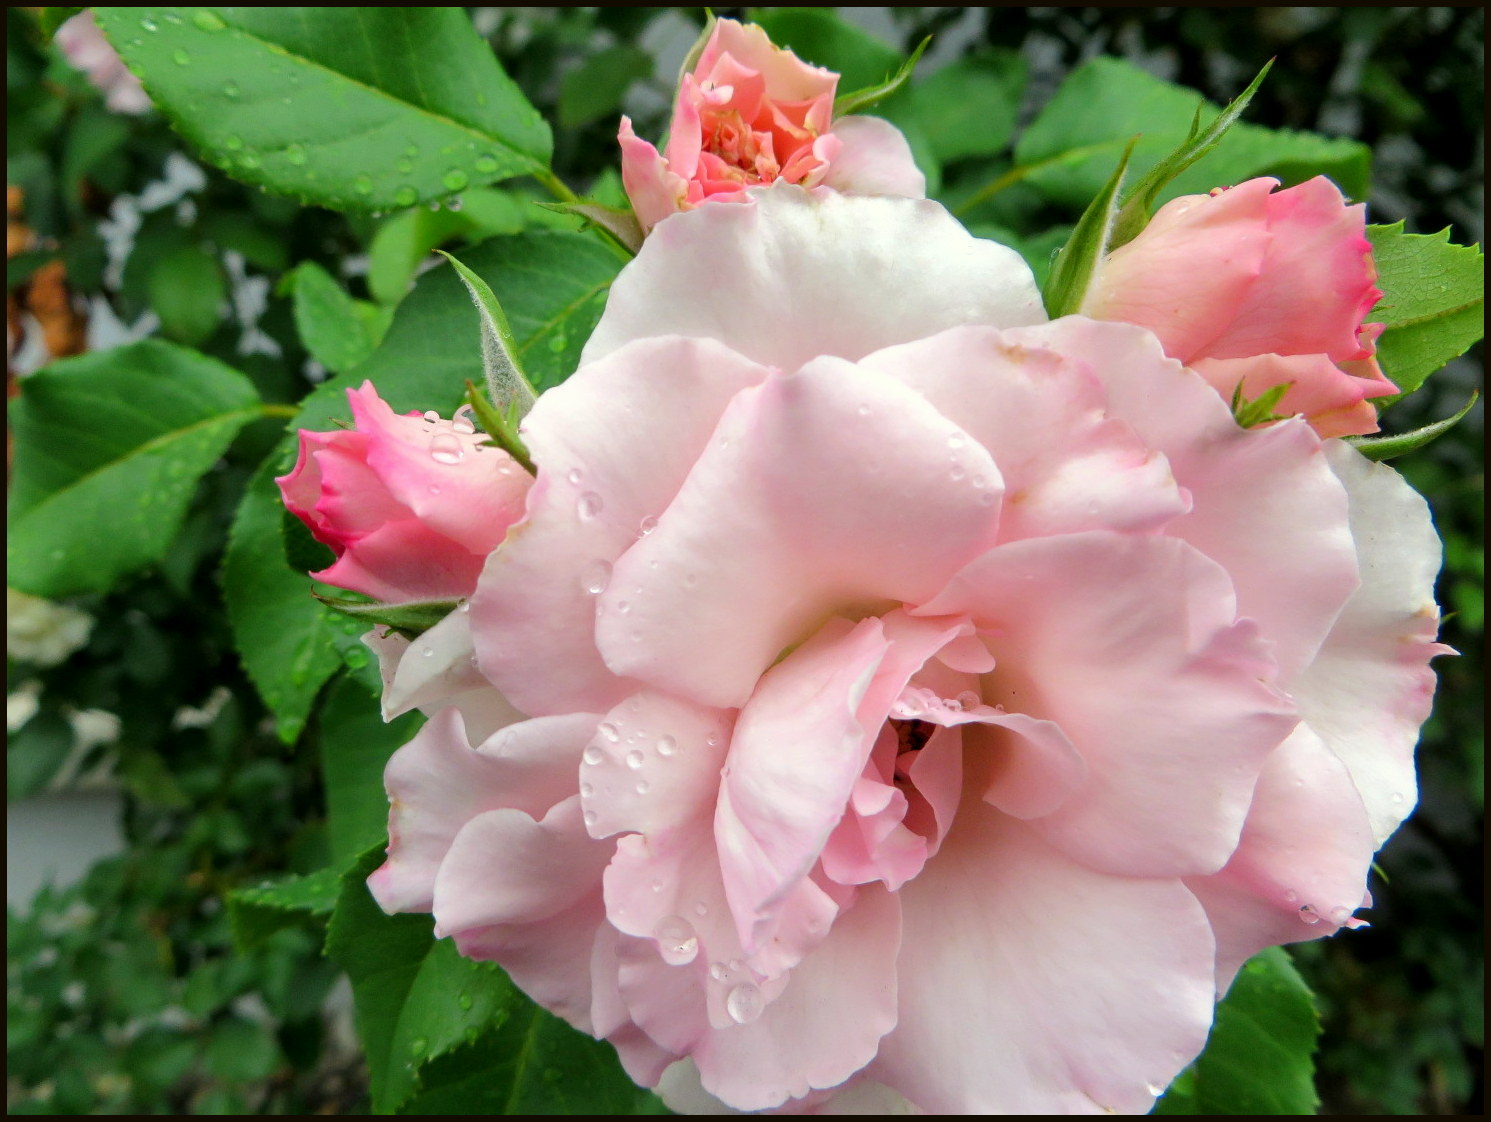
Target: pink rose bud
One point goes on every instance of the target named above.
(87, 50)
(750, 114)
(1259, 288)
(412, 505)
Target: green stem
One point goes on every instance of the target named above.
(555, 186)
(1015, 174)
(272, 409)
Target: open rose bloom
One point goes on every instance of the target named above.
(751, 113)
(894, 701)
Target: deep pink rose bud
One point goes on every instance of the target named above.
(750, 114)
(412, 505)
(1261, 288)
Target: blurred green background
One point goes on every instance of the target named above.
(124, 992)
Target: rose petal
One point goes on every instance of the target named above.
(873, 159)
(782, 281)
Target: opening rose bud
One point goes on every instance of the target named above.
(750, 114)
(411, 504)
(1259, 288)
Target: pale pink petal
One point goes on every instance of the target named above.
(1030, 984)
(1066, 464)
(1300, 869)
(1130, 645)
(1256, 488)
(804, 504)
(825, 1025)
(873, 159)
(644, 1060)
(526, 893)
(602, 480)
(787, 76)
(1186, 274)
(777, 808)
(437, 783)
(783, 281)
(1034, 766)
(1371, 687)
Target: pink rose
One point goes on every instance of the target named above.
(87, 50)
(410, 504)
(1262, 289)
(918, 705)
(750, 114)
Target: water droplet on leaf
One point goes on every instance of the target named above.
(454, 179)
(208, 21)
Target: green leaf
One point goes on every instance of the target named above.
(257, 913)
(1259, 1057)
(820, 36)
(969, 107)
(1433, 303)
(188, 292)
(108, 450)
(1074, 265)
(1070, 150)
(361, 109)
(328, 321)
(595, 88)
(1139, 203)
(284, 638)
(506, 381)
(412, 619)
(35, 753)
(553, 286)
(1260, 410)
(862, 99)
(405, 239)
(355, 746)
(620, 222)
(444, 1034)
(501, 426)
(1382, 448)
(241, 1051)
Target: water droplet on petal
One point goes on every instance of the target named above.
(208, 21)
(955, 440)
(593, 755)
(590, 821)
(1154, 1089)
(586, 790)
(666, 746)
(1308, 914)
(1291, 896)
(609, 731)
(719, 971)
(956, 473)
(634, 759)
(744, 1003)
(648, 525)
(676, 940)
(642, 787)
(595, 577)
(446, 449)
(701, 908)
(589, 505)
(1339, 916)
(713, 740)
(462, 422)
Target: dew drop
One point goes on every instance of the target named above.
(1291, 896)
(208, 21)
(1339, 916)
(1397, 798)
(642, 787)
(676, 940)
(446, 449)
(863, 410)
(1308, 914)
(412, 151)
(558, 343)
(434, 490)
(955, 440)
(1154, 1089)
(666, 746)
(719, 971)
(462, 422)
(295, 154)
(419, 1045)
(744, 1003)
(701, 908)
(486, 164)
(648, 525)
(593, 755)
(968, 699)
(978, 481)
(464, 1001)
(231, 90)
(586, 790)
(249, 160)
(956, 473)
(454, 179)
(149, 24)
(713, 740)
(589, 505)
(180, 57)
(634, 759)
(431, 416)
(590, 821)
(609, 731)
(363, 185)
(987, 498)
(232, 143)
(595, 577)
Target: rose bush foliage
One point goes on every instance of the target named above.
(893, 699)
